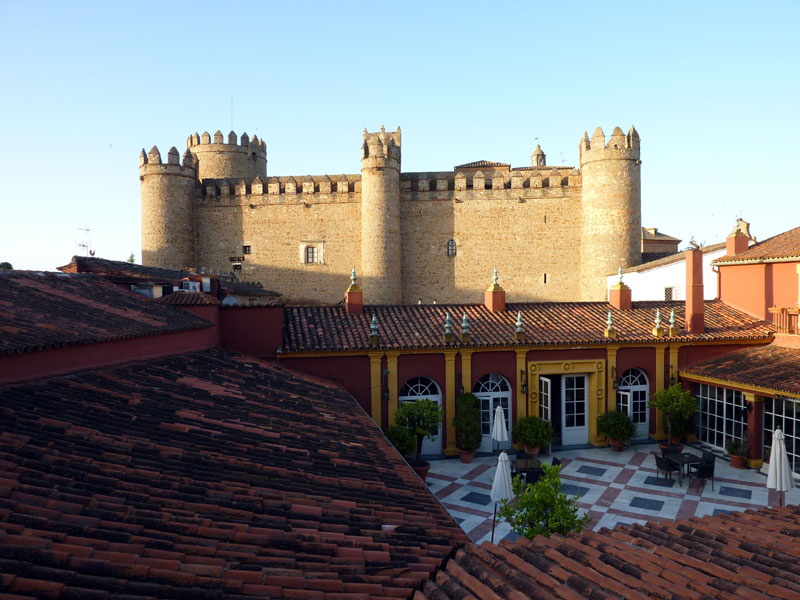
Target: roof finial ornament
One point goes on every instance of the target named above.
(448, 326)
(657, 320)
(353, 277)
(519, 333)
(464, 324)
(373, 328)
(609, 321)
(495, 279)
(694, 244)
(658, 330)
(673, 327)
(610, 332)
(619, 274)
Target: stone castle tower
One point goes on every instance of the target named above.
(553, 232)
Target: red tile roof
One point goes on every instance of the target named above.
(752, 554)
(669, 259)
(204, 476)
(771, 367)
(45, 310)
(181, 298)
(481, 164)
(785, 245)
(320, 328)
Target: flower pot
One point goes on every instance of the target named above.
(532, 450)
(422, 470)
(662, 445)
(738, 462)
(617, 445)
(465, 456)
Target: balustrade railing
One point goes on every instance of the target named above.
(785, 319)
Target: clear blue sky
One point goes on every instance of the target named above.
(712, 88)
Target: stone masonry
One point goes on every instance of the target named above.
(554, 233)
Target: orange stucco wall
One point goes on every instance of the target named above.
(757, 287)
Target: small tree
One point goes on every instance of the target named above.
(401, 438)
(132, 258)
(541, 508)
(6, 266)
(674, 402)
(467, 422)
(422, 418)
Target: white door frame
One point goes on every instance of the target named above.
(573, 435)
(433, 446)
(494, 397)
(635, 384)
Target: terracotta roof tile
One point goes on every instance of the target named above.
(771, 367)
(481, 164)
(710, 557)
(785, 245)
(311, 329)
(181, 298)
(668, 259)
(45, 310)
(207, 475)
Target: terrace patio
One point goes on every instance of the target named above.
(614, 488)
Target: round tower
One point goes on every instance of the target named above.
(611, 208)
(167, 209)
(380, 218)
(226, 158)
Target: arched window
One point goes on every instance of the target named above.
(633, 377)
(451, 248)
(633, 393)
(420, 387)
(312, 254)
(492, 382)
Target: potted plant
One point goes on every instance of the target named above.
(533, 433)
(617, 426)
(674, 403)
(402, 439)
(422, 418)
(467, 423)
(738, 453)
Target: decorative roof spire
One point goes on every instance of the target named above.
(353, 277)
(658, 330)
(610, 332)
(494, 277)
(519, 333)
(373, 328)
(609, 321)
(657, 320)
(448, 326)
(619, 273)
(464, 324)
(673, 328)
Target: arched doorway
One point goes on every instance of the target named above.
(493, 390)
(418, 388)
(633, 393)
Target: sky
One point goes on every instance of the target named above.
(713, 88)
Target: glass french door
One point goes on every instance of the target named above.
(632, 398)
(493, 390)
(545, 385)
(575, 420)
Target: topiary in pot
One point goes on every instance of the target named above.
(401, 438)
(533, 433)
(617, 426)
(674, 401)
(422, 418)
(467, 423)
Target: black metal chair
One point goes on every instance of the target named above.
(703, 470)
(666, 466)
(556, 461)
(670, 450)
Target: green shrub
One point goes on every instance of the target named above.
(401, 438)
(736, 447)
(533, 431)
(674, 402)
(616, 425)
(422, 418)
(467, 422)
(542, 508)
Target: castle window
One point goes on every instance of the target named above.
(312, 254)
(545, 277)
(246, 250)
(451, 248)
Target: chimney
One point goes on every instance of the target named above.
(619, 295)
(495, 296)
(695, 310)
(354, 297)
(736, 242)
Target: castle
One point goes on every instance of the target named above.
(554, 233)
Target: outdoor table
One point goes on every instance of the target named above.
(684, 458)
(527, 465)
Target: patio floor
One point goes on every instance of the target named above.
(613, 487)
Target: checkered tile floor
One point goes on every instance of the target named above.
(613, 487)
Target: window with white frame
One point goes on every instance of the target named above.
(312, 252)
(723, 415)
(784, 413)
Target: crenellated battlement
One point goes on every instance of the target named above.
(489, 179)
(619, 146)
(151, 163)
(294, 187)
(196, 142)
(382, 144)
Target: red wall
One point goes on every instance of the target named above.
(57, 361)
(692, 354)
(756, 287)
(351, 371)
(256, 330)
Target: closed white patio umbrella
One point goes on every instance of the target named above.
(499, 430)
(780, 472)
(501, 485)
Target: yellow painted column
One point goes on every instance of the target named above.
(521, 409)
(466, 370)
(611, 371)
(660, 350)
(375, 386)
(391, 366)
(450, 401)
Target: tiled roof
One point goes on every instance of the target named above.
(104, 266)
(752, 554)
(652, 233)
(181, 298)
(671, 258)
(481, 164)
(45, 310)
(772, 367)
(323, 328)
(245, 288)
(782, 246)
(207, 476)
